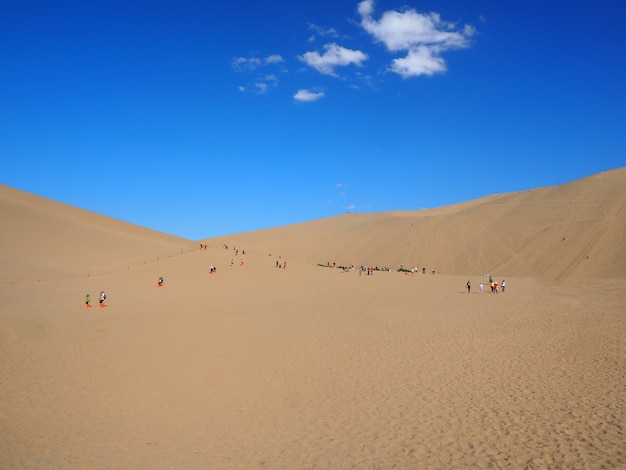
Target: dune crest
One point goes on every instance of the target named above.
(44, 239)
(572, 231)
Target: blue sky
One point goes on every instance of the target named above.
(202, 119)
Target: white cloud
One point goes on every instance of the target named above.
(249, 64)
(420, 61)
(245, 64)
(366, 8)
(308, 96)
(274, 59)
(424, 36)
(334, 56)
(256, 66)
(417, 42)
(261, 87)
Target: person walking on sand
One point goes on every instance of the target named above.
(87, 301)
(102, 298)
(469, 286)
(503, 285)
(160, 282)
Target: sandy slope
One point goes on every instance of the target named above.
(44, 239)
(572, 231)
(311, 367)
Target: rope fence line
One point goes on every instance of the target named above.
(96, 273)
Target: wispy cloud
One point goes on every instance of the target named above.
(274, 59)
(308, 96)
(245, 64)
(248, 64)
(423, 36)
(343, 193)
(333, 56)
(257, 66)
(323, 32)
(261, 87)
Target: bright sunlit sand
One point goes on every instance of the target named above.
(278, 361)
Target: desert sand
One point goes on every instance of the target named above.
(310, 366)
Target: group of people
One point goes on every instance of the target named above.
(280, 263)
(101, 298)
(235, 249)
(415, 270)
(161, 282)
(494, 286)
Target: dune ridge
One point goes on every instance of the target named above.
(571, 231)
(44, 240)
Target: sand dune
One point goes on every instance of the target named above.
(44, 239)
(312, 367)
(572, 231)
